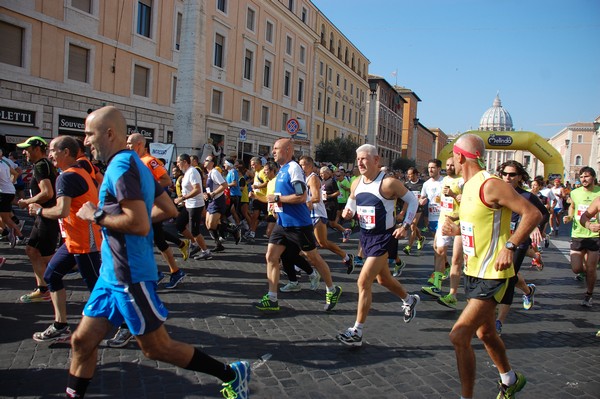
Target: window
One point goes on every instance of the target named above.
(318, 131)
(78, 63)
(246, 110)
(11, 50)
(141, 77)
(335, 114)
(264, 116)
(144, 18)
(343, 112)
(300, 90)
(83, 5)
(329, 74)
(269, 32)
(327, 105)
(337, 80)
(302, 54)
(578, 160)
(219, 45)
(319, 100)
(286, 83)
(580, 138)
(217, 101)
(321, 68)
(178, 31)
(284, 118)
(248, 59)
(222, 6)
(250, 19)
(288, 45)
(304, 15)
(291, 5)
(174, 90)
(267, 74)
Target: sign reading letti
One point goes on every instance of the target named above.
(17, 116)
(501, 141)
(147, 132)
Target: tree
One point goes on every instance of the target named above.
(403, 163)
(338, 150)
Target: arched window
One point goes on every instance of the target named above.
(578, 160)
(331, 42)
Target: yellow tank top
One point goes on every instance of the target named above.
(484, 231)
(449, 205)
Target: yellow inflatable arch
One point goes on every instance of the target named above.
(521, 140)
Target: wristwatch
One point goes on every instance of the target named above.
(276, 198)
(39, 212)
(510, 246)
(99, 215)
(405, 225)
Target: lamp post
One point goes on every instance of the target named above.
(373, 112)
(567, 160)
(414, 138)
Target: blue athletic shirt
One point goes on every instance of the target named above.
(293, 215)
(232, 176)
(127, 258)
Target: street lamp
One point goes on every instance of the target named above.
(567, 160)
(373, 89)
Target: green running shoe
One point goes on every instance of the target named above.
(332, 298)
(508, 392)
(432, 290)
(420, 242)
(267, 304)
(448, 300)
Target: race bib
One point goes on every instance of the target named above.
(366, 217)
(468, 239)
(324, 195)
(513, 227)
(434, 208)
(417, 194)
(63, 233)
(581, 209)
(276, 207)
(448, 204)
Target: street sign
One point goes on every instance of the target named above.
(243, 135)
(292, 126)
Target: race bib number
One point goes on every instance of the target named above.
(448, 204)
(366, 217)
(513, 227)
(417, 194)
(276, 207)
(468, 239)
(581, 209)
(63, 233)
(324, 195)
(434, 208)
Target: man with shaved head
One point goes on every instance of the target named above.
(294, 227)
(485, 212)
(130, 199)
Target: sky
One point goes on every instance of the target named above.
(541, 56)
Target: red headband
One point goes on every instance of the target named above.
(466, 153)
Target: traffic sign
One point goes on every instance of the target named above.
(292, 126)
(243, 135)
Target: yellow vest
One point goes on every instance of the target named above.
(449, 205)
(484, 231)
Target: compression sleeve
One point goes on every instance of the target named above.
(351, 204)
(410, 199)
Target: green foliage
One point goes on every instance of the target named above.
(403, 163)
(338, 150)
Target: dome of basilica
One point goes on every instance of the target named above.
(496, 118)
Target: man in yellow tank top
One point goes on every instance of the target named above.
(485, 214)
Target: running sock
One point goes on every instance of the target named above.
(272, 296)
(346, 258)
(60, 326)
(408, 300)
(508, 378)
(358, 327)
(76, 386)
(206, 364)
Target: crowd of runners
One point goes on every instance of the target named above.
(103, 219)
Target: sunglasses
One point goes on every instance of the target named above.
(510, 174)
(208, 160)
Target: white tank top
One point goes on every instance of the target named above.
(318, 210)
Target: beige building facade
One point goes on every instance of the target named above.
(67, 58)
(182, 71)
(578, 146)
